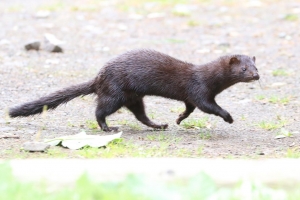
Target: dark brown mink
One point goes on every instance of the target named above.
(127, 78)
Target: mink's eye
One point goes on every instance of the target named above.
(244, 69)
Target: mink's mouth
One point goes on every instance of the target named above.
(250, 79)
(253, 78)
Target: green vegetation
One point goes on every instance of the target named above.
(56, 153)
(195, 123)
(293, 153)
(137, 187)
(92, 124)
(272, 125)
(260, 97)
(204, 135)
(174, 40)
(280, 72)
(122, 149)
(193, 23)
(278, 100)
(177, 109)
(157, 137)
(291, 17)
(274, 99)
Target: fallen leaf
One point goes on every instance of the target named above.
(280, 136)
(82, 139)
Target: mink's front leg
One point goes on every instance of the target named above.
(211, 107)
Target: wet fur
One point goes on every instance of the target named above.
(126, 79)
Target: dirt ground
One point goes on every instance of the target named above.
(194, 31)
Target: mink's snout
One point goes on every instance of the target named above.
(255, 76)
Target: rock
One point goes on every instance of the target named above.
(35, 146)
(203, 50)
(156, 15)
(42, 14)
(52, 44)
(33, 46)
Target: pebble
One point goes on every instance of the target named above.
(33, 46)
(52, 44)
(156, 15)
(42, 14)
(35, 146)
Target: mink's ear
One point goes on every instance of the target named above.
(234, 60)
(253, 58)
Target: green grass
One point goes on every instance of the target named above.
(193, 23)
(260, 97)
(177, 110)
(291, 17)
(57, 6)
(56, 153)
(274, 99)
(272, 125)
(205, 135)
(138, 187)
(174, 40)
(278, 100)
(157, 137)
(92, 124)
(280, 72)
(121, 149)
(293, 153)
(195, 123)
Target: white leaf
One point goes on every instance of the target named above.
(82, 139)
(280, 136)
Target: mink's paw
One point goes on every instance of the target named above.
(178, 120)
(164, 126)
(228, 119)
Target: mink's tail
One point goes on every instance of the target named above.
(53, 100)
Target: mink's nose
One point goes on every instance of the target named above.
(255, 76)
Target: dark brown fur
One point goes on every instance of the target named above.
(126, 79)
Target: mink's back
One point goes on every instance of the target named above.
(148, 72)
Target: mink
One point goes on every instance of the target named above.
(126, 79)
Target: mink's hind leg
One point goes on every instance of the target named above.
(104, 108)
(136, 106)
(189, 108)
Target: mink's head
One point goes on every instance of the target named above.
(243, 68)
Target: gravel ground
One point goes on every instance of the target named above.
(197, 32)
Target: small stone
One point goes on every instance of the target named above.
(136, 16)
(35, 146)
(224, 44)
(42, 14)
(33, 46)
(52, 62)
(282, 35)
(203, 51)
(122, 27)
(261, 153)
(155, 15)
(52, 44)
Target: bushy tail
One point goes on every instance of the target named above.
(52, 100)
